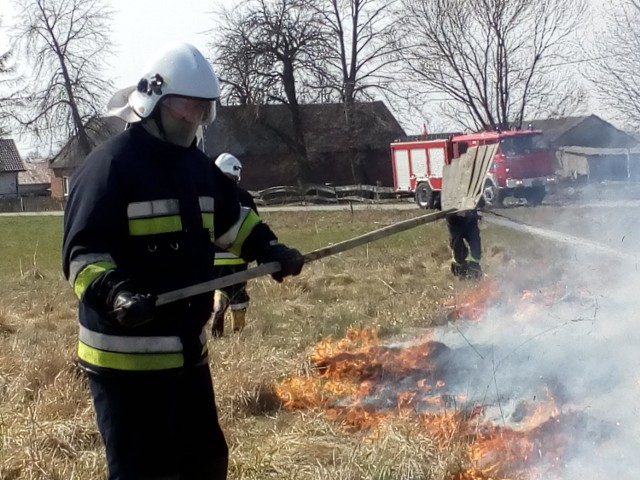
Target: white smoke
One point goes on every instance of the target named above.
(584, 348)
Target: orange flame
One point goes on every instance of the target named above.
(346, 383)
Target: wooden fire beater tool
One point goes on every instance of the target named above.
(273, 267)
(462, 183)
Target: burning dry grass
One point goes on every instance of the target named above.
(395, 287)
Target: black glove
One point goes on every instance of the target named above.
(133, 309)
(290, 260)
(113, 296)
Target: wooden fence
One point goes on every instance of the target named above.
(30, 204)
(325, 194)
(310, 194)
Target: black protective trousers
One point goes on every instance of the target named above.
(160, 426)
(464, 237)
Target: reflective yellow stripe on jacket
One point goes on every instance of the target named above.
(163, 216)
(227, 258)
(132, 353)
(157, 216)
(207, 209)
(233, 238)
(84, 269)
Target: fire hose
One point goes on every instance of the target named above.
(272, 267)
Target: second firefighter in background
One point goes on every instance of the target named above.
(465, 243)
(233, 298)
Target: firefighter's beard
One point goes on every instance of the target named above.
(174, 130)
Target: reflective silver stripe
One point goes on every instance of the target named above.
(206, 204)
(230, 235)
(155, 208)
(225, 255)
(124, 344)
(80, 261)
(239, 306)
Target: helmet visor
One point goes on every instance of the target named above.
(191, 110)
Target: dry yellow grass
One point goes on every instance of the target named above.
(47, 427)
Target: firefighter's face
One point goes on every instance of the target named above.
(181, 118)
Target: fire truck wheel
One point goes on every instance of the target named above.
(492, 195)
(424, 195)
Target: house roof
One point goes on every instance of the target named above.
(36, 172)
(259, 130)
(554, 128)
(99, 130)
(587, 131)
(10, 160)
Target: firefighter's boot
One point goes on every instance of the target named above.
(238, 319)
(220, 304)
(459, 269)
(474, 270)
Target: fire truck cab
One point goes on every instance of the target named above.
(522, 166)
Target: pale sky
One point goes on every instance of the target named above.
(143, 25)
(140, 26)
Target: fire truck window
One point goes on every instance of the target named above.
(462, 148)
(523, 144)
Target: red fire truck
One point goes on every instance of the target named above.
(522, 166)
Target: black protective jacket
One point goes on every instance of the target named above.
(151, 212)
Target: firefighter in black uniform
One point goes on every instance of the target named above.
(233, 298)
(143, 214)
(464, 240)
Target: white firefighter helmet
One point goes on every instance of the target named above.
(175, 69)
(229, 165)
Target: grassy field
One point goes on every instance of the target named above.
(394, 286)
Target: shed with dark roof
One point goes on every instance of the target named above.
(583, 131)
(10, 165)
(256, 136)
(71, 156)
(591, 148)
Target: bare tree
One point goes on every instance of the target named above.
(363, 45)
(8, 81)
(246, 78)
(498, 60)
(616, 73)
(65, 42)
(263, 49)
(5, 71)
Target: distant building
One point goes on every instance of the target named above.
(255, 134)
(591, 149)
(71, 156)
(35, 181)
(583, 131)
(10, 166)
